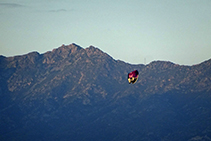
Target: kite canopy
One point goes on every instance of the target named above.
(133, 76)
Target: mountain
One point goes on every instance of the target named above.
(72, 93)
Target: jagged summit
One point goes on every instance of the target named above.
(74, 48)
(91, 50)
(67, 49)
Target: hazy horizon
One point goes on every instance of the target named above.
(131, 31)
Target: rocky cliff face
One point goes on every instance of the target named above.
(83, 94)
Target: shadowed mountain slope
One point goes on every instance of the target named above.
(72, 93)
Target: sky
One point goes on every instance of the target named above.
(134, 31)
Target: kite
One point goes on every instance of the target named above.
(133, 76)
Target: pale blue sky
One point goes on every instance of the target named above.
(130, 30)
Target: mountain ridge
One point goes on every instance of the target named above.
(83, 94)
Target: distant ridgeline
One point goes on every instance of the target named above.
(72, 93)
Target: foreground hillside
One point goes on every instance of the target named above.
(72, 93)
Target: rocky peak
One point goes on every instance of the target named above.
(94, 52)
(67, 49)
(60, 53)
(32, 56)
